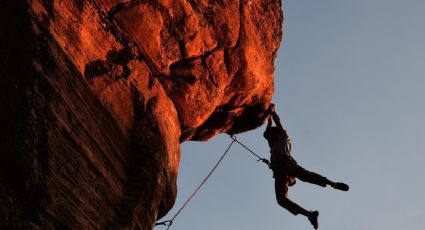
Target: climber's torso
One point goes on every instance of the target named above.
(280, 153)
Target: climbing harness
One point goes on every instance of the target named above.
(169, 222)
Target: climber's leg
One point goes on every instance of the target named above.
(294, 169)
(281, 191)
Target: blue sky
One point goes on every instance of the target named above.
(350, 88)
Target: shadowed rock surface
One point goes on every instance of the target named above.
(97, 95)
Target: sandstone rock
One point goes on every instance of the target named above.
(97, 96)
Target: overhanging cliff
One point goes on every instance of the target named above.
(97, 95)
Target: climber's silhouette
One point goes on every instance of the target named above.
(285, 169)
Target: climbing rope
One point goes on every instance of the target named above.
(264, 160)
(168, 223)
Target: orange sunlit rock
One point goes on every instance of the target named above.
(99, 94)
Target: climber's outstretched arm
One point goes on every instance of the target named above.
(270, 112)
(277, 121)
(269, 122)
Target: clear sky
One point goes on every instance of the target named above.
(350, 87)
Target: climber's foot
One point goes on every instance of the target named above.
(340, 186)
(313, 218)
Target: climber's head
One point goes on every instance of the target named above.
(274, 133)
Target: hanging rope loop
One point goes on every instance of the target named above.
(168, 223)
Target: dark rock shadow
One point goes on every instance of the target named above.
(115, 65)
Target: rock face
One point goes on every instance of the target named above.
(97, 95)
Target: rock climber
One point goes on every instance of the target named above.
(285, 169)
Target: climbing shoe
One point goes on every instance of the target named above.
(313, 218)
(340, 186)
